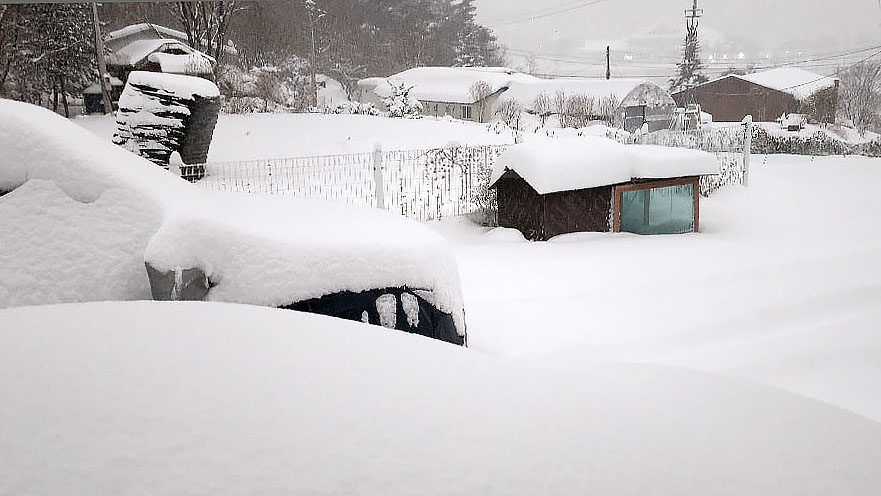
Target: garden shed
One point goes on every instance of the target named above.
(548, 187)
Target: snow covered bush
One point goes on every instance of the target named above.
(510, 112)
(271, 87)
(400, 103)
(354, 108)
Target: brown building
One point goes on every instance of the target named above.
(765, 95)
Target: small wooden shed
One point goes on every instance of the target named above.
(557, 186)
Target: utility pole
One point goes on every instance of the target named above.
(608, 63)
(102, 67)
(692, 17)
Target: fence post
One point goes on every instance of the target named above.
(377, 175)
(747, 146)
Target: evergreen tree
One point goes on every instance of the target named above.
(690, 69)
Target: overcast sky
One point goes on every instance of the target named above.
(751, 26)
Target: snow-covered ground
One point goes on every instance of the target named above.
(254, 136)
(187, 398)
(782, 286)
(837, 132)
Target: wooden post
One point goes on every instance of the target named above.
(608, 63)
(377, 175)
(747, 146)
(102, 67)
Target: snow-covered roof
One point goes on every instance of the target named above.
(160, 32)
(627, 91)
(138, 50)
(450, 84)
(797, 82)
(161, 398)
(127, 211)
(191, 63)
(563, 164)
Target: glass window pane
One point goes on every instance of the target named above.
(667, 210)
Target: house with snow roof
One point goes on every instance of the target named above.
(766, 95)
(445, 90)
(634, 102)
(150, 47)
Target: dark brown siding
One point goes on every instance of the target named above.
(730, 99)
(541, 217)
(520, 206)
(582, 210)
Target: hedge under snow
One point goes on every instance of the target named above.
(82, 216)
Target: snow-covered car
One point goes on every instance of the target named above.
(84, 220)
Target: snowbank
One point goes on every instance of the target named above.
(448, 84)
(562, 164)
(131, 398)
(262, 251)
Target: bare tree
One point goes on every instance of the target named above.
(561, 107)
(480, 91)
(859, 94)
(580, 108)
(607, 109)
(542, 106)
(510, 112)
(205, 23)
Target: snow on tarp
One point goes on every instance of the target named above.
(448, 84)
(563, 164)
(626, 91)
(160, 398)
(175, 84)
(261, 251)
(797, 82)
(191, 63)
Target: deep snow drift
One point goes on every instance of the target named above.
(170, 399)
(781, 285)
(83, 216)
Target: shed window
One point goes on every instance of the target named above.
(466, 111)
(666, 210)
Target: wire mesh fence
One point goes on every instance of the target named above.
(727, 143)
(430, 184)
(421, 184)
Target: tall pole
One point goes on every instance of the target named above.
(608, 63)
(312, 62)
(102, 67)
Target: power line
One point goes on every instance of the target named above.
(540, 14)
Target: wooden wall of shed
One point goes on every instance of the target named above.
(581, 210)
(730, 99)
(541, 217)
(520, 206)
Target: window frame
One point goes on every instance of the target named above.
(653, 184)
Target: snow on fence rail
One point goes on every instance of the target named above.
(421, 184)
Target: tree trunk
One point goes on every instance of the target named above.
(64, 96)
(54, 97)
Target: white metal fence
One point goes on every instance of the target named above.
(420, 184)
(432, 183)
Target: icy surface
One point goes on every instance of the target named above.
(163, 398)
(561, 164)
(75, 188)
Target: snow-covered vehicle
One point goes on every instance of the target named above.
(85, 220)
